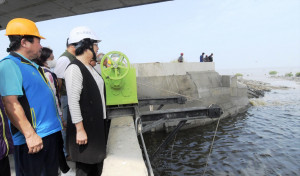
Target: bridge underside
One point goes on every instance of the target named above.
(40, 10)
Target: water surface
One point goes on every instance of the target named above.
(264, 141)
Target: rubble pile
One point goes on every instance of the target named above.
(257, 89)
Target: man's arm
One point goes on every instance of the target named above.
(17, 116)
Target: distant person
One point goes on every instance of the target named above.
(180, 59)
(205, 58)
(210, 58)
(202, 57)
(6, 143)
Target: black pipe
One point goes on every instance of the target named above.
(169, 138)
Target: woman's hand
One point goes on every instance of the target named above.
(81, 136)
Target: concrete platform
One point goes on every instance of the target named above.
(124, 155)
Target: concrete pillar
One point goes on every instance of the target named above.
(124, 155)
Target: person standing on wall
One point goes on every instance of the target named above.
(180, 59)
(205, 58)
(6, 143)
(202, 57)
(62, 62)
(210, 58)
(86, 132)
(29, 102)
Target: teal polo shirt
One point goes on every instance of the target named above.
(18, 74)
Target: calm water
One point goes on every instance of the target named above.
(264, 141)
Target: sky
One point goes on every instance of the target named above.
(240, 33)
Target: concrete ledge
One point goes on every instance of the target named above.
(124, 156)
(166, 69)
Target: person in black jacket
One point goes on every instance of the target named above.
(86, 130)
(210, 58)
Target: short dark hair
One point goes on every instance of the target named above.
(15, 41)
(83, 45)
(46, 53)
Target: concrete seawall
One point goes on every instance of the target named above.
(198, 82)
(168, 69)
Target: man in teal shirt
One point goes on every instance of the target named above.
(29, 102)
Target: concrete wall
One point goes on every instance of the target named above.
(167, 69)
(198, 82)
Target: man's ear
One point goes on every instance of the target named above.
(23, 42)
(73, 48)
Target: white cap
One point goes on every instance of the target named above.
(82, 32)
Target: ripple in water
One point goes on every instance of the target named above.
(264, 141)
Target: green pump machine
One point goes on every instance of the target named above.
(119, 78)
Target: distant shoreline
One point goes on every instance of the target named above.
(258, 72)
(297, 79)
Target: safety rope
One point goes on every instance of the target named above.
(211, 146)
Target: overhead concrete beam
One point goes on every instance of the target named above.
(40, 10)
